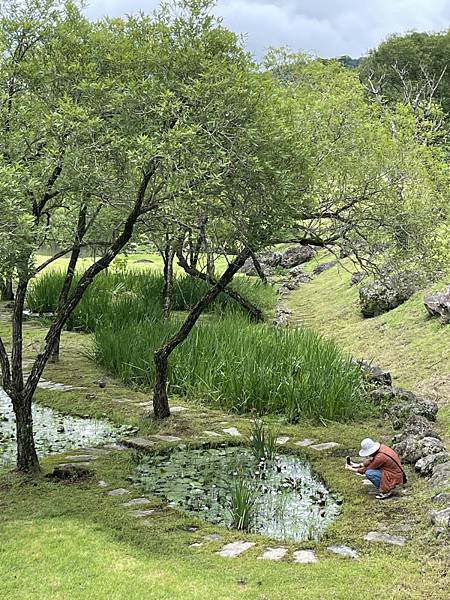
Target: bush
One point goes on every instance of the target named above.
(242, 367)
(132, 297)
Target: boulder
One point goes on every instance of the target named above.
(270, 259)
(298, 271)
(382, 295)
(441, 476)
(374, 374)
(442, 498)
(357, 277)
(407, 404)
(438, 305)
(296, 255)
(70, 473)
(441, 518)
(324, 267)
(418, 426)
(381, 394)
(412, 448)
(425, 466)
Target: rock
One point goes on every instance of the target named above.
(212, 434)
(273, 554)
(282, 439)
(441, 518)
(442, 498)
(357, 277)
(298, 271)
(232, 431)
(324, 267)
(235, 549)
(377, 536)
(343, 551)
(441, 476)
(438, 305)
(426, 465)
(324, 446)
(407, 404)
(136, 502)
(139, 514)
(304, 556)
(118, 492)
(271, 259)
(296, 255)
(70, 473)
(212, 537)
(102, 484)
(139, 443)
(382, 295)
(374, 374)
(418, 426)
(412, 448)
(381, 394)
(167, 438)
(305, 442)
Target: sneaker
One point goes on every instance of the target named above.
(383, 496)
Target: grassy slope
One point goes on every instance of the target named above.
(75, 542)
(405, 341)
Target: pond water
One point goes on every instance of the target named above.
(53, 432)
(289, 502)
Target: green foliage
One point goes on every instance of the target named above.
(243, 498)
(263, 442)
(121, 297)
(241, 367)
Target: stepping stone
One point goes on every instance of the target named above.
(304, 556)
(118, 492)
(102, 484)
(136, 502)
(212, 537)
(97, 451)
(81, 458)
(273, 554)
(235, 549)
(324, 446)
(75, 464)
(367, 482)
(196, 545)
(212, 433)
(282, 439)
(232, 431)
(305, 442)
(167, 438)
(139, 443)
(141, 513)
(343, 551)
(177, 409)
(377, 536)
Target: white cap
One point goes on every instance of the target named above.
(368, 447)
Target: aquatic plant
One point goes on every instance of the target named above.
(263, 441)
(243, 498)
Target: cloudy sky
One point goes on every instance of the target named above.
(327, 27)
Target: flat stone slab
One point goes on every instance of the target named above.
(305, 442)
(177, 409)
(324, 446)
(343, 550)
(282, 439)
(378, 536)
(304, 556)
(167, 438)
(102, 484)
(232, 431)
(235, 549)
(273, 554)
(81, 458)
(196, 545)
(139, 443)
(136, 502)
(118, 492)
(59, 387)
(141, 513)
(212, 433)
(75, 464)
(212, 537)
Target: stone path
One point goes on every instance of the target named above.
(385, 538)
(232, 431)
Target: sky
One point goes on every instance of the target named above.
(329, 28)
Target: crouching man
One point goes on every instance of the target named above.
(381, 466)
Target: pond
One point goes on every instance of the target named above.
(289, 503)
(53, 432)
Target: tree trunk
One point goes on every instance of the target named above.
(258, 268)
(27, 460)
(169, 254)
(6, 290)
(161, 408)
(70, 273)
(253, 311)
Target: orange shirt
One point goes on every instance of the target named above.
(385, 460)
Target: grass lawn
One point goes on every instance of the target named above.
(70, 541)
